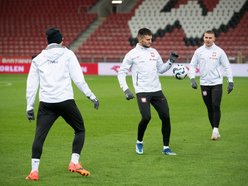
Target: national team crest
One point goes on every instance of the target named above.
(143, 100)
(152, 54)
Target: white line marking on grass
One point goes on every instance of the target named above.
(5, 84)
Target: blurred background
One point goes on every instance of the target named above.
(105, 30)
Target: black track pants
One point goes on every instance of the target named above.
(212, 98)
(47, 115)
(159, 102)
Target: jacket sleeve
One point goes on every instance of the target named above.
(77, 76)
(123, 71)
(226, 66)
(161, 66)
(192, 66)
(32, 85)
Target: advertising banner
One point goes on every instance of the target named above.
(239, 70)
(21, 65)
(108, 68)
(16, 59)
(23, 68)
(89, 68)
(14, 68)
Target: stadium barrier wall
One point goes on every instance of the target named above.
(239, 70)
(22, 66)
(19, 68)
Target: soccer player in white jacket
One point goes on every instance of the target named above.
(52, 71)
(145, 64)
(211, 61)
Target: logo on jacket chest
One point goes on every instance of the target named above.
(52, 61)
(152, 56)
(214, 56)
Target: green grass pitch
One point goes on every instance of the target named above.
(109, 151)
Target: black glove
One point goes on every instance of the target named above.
(30, 115)
(230, 87)
(96, 103)
(128, 94)
(193, 83)
(173, 57)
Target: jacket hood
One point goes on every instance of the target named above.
(54, 51)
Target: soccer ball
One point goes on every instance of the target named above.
(180, 71)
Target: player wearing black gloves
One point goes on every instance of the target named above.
(30, 115)
(129, 95)
(173, 56)
(209, 58)
(145, 63)
(52, 71)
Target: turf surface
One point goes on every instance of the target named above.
(109, 151)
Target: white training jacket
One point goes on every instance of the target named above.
(145, 65)
(52, 70)
(211, 62)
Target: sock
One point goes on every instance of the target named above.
(139, 141)
(216, 130)
(35, 164)
(75, 158)
(166, 147)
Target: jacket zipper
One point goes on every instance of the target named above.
(137, 78)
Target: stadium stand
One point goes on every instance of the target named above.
(23, 23)
(180, 24)
(177, 25)
(110, 41)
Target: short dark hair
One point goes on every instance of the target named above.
(54, 35)
(209, 32)
(144, 31)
